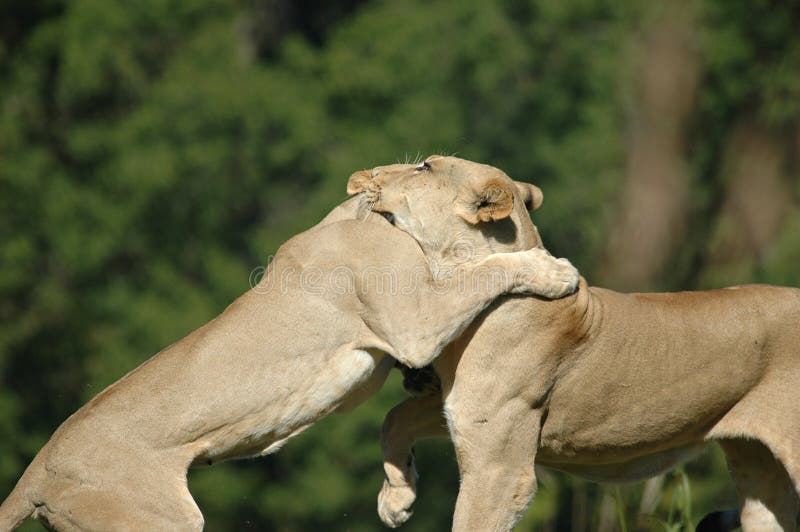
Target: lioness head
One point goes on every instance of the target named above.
(456, 210)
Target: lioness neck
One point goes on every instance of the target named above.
(566, 325)
(586, 313)
(527, 234)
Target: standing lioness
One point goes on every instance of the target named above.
(310, 338)
(601, 384)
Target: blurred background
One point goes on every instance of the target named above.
(153, 153)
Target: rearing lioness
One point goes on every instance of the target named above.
(309, 339)
(608, 386)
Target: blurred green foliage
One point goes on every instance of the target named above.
(153, 153)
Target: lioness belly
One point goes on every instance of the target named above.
(630, 470)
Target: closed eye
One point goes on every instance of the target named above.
(424, 167)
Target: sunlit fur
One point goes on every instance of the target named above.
(605, 385)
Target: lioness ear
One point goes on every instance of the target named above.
(531, 195)
(358, 181)
(492, 200)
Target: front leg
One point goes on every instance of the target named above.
(411, 420)
(496, 449)
(435, 313)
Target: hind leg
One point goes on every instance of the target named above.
(767, 497)
(119, 509)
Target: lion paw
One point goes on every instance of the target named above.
(547, 276)
(394, 504)
(565, 278)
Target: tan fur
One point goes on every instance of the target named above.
(490, 201)
(531, 195)
(278, 359)
(456, 210)
(608, 386)
(358, 181)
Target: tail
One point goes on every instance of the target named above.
(15, 509)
